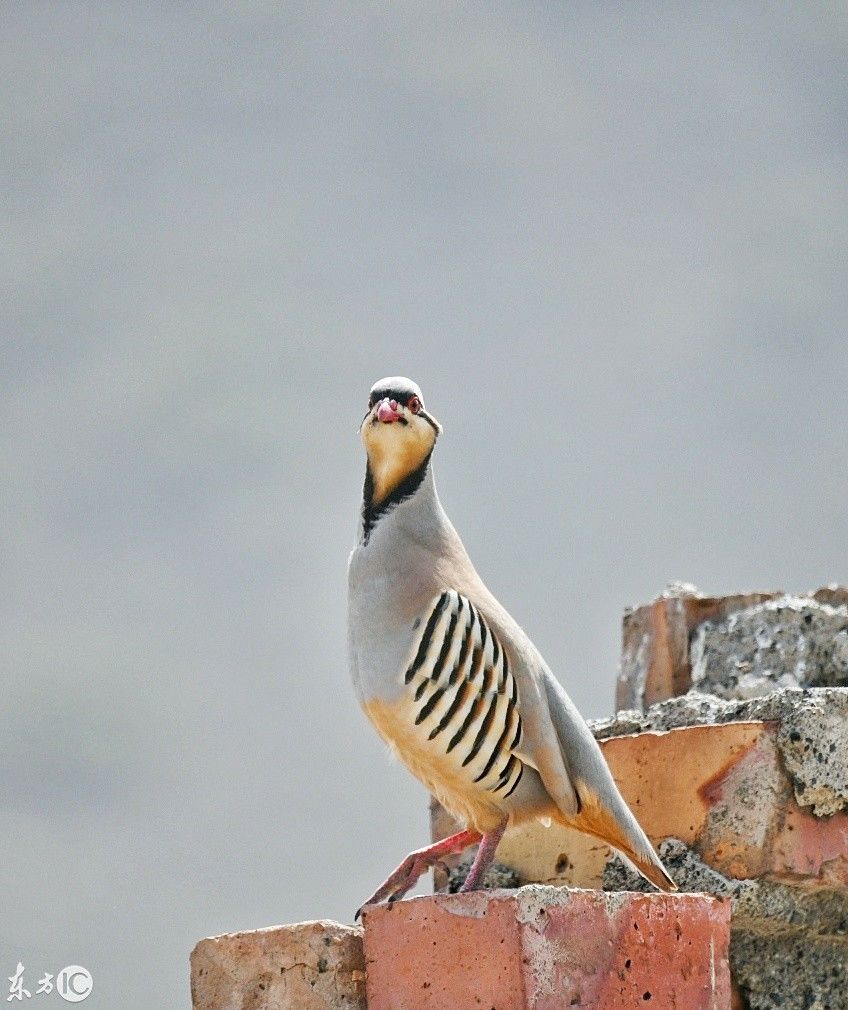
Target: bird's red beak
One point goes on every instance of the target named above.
(387, 412)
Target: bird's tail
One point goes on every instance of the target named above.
(602, 811)
(654, 870)
(595, 819)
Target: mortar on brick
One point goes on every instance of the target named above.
(471, 904)
(533, 900)
(814, 745)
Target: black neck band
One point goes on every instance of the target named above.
(372, 511)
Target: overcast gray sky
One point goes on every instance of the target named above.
(610, 244)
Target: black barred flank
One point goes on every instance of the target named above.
(447, 642)
(429, 705)
(478, 664)
(457, 703)
(481, 733)
(497, 750)
(517, 780)
(464, 682)
(435, 614)
(517, 736)
(505, 669)
(505, 774)
(488, 679)
(464, 649)
(473, 712)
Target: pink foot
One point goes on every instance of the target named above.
(417, 863)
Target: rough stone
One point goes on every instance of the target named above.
(789, 943)
(497, 876)
(777, 641)
(834, 594)
(546, 948)
(786, 642)
(307, 966)
(814, 745)
(655, 642)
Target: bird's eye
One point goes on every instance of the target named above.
(414, 404)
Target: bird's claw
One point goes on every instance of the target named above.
(406, 876)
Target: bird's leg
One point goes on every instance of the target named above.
(484, 857)
(416, 863)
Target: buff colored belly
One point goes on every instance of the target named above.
(441, 773)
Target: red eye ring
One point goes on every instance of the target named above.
(414, 405)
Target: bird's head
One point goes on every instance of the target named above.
(397, 432)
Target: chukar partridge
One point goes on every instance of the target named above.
(449, 679)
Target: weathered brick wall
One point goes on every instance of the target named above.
(734, 646)
(738, 771)
(536, 947)
(732, 747)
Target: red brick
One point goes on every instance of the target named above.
(548, 948)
